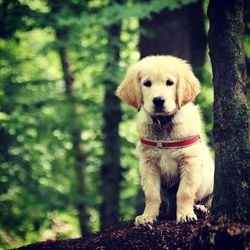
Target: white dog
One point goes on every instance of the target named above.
(162, 88)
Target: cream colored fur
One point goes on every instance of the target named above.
(193, 166)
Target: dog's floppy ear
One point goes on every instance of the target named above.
(188, 87)
(130, 90)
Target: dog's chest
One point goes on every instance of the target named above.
(168, 166)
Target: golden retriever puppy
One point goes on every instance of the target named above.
(163, 88)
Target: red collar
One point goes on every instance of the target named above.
(171, 144)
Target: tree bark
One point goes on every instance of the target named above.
(111, 169)
(77, 150)
(179, 33)
(231, 112)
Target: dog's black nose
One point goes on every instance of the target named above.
(159, 101)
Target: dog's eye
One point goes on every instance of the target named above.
(147, 84)
(169, 83)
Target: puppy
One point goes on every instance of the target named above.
(162, 89)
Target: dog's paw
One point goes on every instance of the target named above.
(201, 208)
(144, 220)
(186, 217)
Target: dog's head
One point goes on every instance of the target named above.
(162, 84)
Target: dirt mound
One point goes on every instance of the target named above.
(162, 235)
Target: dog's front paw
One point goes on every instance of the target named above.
(201, 208)
(144, 220)
(186, 217)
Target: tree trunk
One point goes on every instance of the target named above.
(111, 168)
(198, 37)
(166, 32)
(62, 35)
(231, 113)
(77, 150)
(179, 33)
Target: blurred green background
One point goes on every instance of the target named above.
(68, 165)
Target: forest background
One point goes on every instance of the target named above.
(68, 165)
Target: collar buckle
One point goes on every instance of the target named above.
(159, 144)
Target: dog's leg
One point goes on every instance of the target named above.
(150, 180)
(189, 183)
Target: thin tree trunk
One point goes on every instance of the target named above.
(179, 33)
(198, 37)
(166, 32)
(231, 113)
(198, 46)
(111, 168)
(77, 150)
